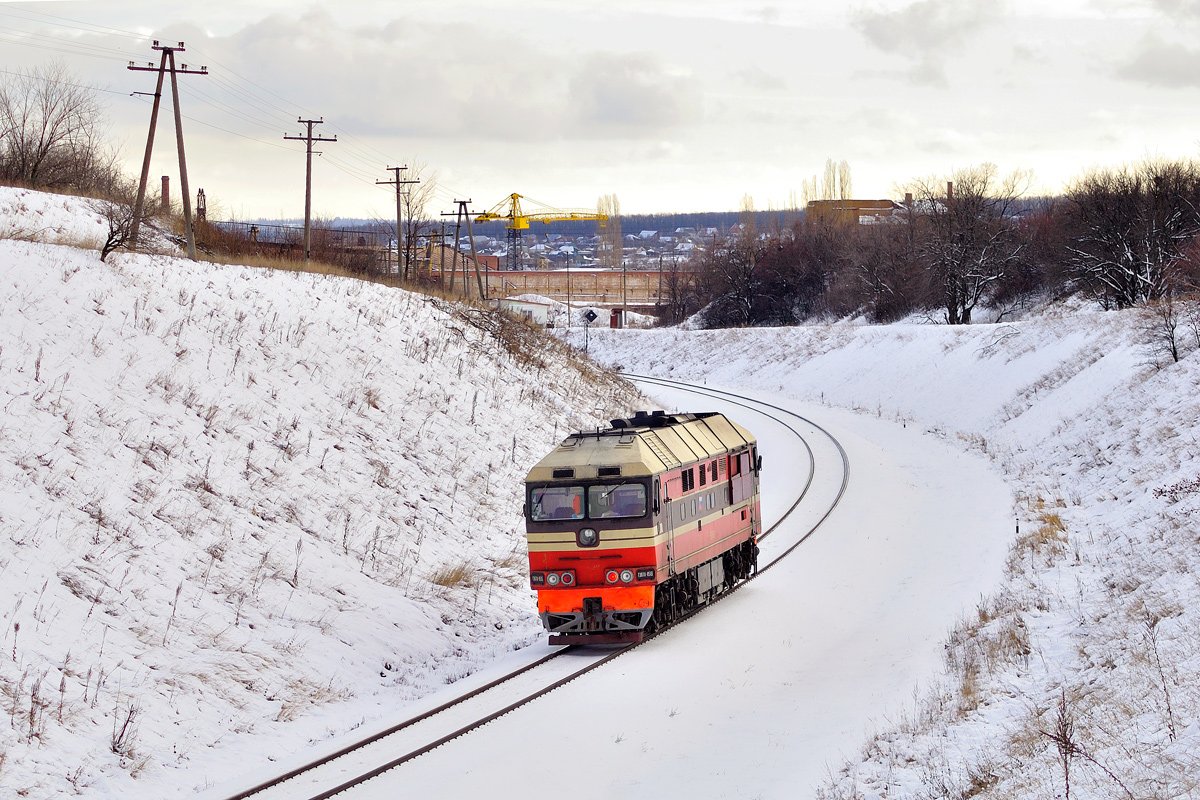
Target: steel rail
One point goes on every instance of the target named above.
(400, 760)
(375, 737)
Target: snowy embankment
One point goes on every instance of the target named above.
(1086, 654)
(243, 509)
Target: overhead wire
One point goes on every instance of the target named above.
(355, 157)
(61, 49)
(69, 83)
(88, 26)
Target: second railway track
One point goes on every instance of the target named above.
(371, 756)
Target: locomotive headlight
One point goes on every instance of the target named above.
(612, 576)
(552, 579)
(568, 578)
(626, 576)
(588, 537)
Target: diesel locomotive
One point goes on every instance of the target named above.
(631, 526)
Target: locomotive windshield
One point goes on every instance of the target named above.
(604, 501)
(616, 500)
(556, 502)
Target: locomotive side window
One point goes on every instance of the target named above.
(555, 502)
(616, 500)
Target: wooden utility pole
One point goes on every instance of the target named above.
(462, 205)
(454, 259)
(309, 139)
(168, 56)
(459, 215)
(399, 216)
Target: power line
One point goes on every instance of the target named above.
(89, 25)
(68, 83)
(226, 130)
(87, 48)
(361, 164)
(69, 50)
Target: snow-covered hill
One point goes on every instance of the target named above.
(232, 499)
(1088, 653)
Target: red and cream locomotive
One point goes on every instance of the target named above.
(631, 526)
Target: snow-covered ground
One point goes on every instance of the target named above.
(242, 510)
(1087, 651)
(757, 695)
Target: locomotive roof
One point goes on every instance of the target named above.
(645, 444)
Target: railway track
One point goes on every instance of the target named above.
(373, 755)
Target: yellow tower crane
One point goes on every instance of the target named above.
(518, 218)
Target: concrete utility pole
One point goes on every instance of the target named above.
(399, 216)
(308, 137)
(168, 56)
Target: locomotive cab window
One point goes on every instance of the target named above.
(548, 503)
(616, 500)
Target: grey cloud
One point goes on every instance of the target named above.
(421, 78)
(757, 78)
(1177, 9)
(928, 73)
(926, 25)
(1161, 63)
(629, 96)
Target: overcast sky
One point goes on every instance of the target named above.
(672, 105)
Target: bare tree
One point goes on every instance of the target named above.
(612, 244)
(52, 131)
(732, 280)
(834, 183)
(1135, 228)
(967, 234)
(888, 271)
(679, 299)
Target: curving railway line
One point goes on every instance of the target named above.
(356, 763)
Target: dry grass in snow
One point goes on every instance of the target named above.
(1083, 668)
(232, 497)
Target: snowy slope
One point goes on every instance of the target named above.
(1088, 647)
(757, 695)
(234, 499)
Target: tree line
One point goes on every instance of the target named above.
(969, 242)
(53, 133)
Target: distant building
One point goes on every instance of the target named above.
(852, 212)
(537, 313)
